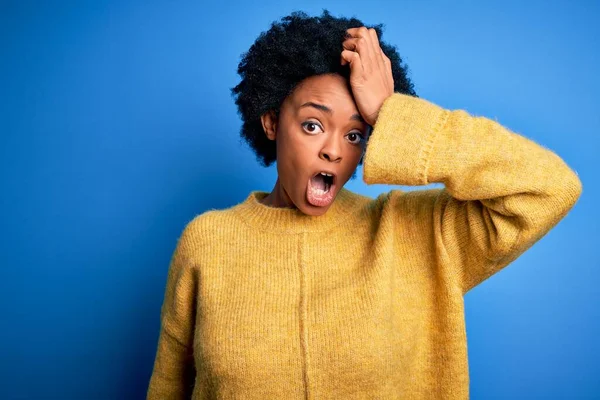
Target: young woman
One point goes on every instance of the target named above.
(312, 291)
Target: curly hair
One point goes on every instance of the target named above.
(292, 50)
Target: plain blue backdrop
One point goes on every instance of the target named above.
(117, 127)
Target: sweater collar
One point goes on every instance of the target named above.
(292, 220)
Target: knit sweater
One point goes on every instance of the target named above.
(367, 300)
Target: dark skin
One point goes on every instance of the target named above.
(324, 123)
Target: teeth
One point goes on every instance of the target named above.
(326, 174)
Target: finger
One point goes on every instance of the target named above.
(362, 40)
(360, 46)
(372, 55)
(354, 32)
(388, 69)
(352, 58)
(376, 48)
(385, 69)
(353, 44)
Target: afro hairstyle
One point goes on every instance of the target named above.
(293, 49)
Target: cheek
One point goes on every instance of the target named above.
(353, 160)
(298, 148)
(353, 154)
(291, 160)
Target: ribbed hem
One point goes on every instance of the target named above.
(292, 220)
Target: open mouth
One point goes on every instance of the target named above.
(320, 189)
(323, 181)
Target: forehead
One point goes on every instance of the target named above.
(329, 90)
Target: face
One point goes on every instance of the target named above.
(319, 129)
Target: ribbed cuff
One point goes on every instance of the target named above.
(402, 142)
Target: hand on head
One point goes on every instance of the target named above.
(371, 77)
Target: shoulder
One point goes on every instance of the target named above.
(206, 224)
(197, 232)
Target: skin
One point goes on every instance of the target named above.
(310, 139)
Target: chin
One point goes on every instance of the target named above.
(315, 213)
(311, 210)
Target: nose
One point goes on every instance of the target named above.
(331, 150)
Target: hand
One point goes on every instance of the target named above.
(371, 77)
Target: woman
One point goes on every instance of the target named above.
(313, 291)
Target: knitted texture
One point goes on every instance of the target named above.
(365, 301)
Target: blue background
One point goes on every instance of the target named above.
(117, 128)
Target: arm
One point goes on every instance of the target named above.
(503, 192)
(173, 374)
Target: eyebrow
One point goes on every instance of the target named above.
(322, 107)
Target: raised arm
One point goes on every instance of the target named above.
(502, 192)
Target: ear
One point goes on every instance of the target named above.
(269, 124)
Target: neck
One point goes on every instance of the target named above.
(278, 197)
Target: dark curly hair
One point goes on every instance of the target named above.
(293, 49)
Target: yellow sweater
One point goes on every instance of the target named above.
(366, 301)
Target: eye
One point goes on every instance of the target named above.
(310, 127)
(355, 137)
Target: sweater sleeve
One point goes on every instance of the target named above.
(173, 374)
(502, 192)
